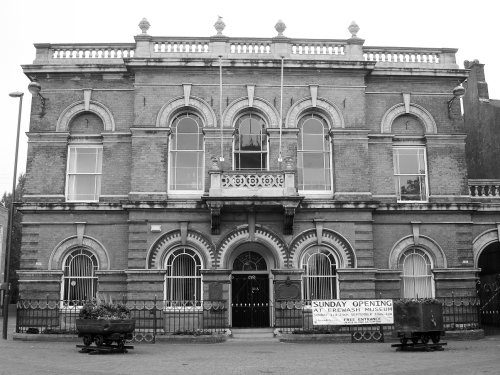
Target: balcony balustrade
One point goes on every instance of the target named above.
(252, 184)
(484, 188)
(266, 50)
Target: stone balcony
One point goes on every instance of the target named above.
(253, 190)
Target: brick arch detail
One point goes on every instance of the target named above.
(241, 235)
(333, 113)
(270, 113)
(79, 107)
(482, 241)
(333, 240)
(69, 244)
(399, 109)
(428, 245)
(196, 240)
(173, 106)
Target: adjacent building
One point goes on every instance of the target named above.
(250, 170)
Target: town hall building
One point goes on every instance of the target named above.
(250, 171)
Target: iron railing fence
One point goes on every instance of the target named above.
(160, 317)
(295, 316)
(461, 313)
(152, 317)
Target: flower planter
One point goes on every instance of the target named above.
(418, 320)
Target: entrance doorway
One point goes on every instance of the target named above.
(489, 288)
(250, 291)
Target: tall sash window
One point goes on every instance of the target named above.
(313, 155)
(250, 143)
(186, 154)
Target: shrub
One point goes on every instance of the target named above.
(104, 310)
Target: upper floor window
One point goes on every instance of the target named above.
(250, 143)
(183, 277)
(186, 154)
(79, 280)
(313, 155)
(410, 174)
(417, 274)
(83, 182)
(320, 274)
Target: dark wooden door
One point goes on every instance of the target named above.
(250, 300)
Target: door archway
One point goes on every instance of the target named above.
(489, 287)
(250, 287)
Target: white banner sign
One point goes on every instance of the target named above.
(352, 312)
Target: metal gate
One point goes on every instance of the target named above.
(489, 296)
(250, 300)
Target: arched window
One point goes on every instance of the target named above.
(250, 143)
(417, 274)
(79, 280)
(183, 277)
(313, 155)
(320, 274)
(249, 261)
(186, 154)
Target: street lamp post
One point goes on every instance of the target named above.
(6, 299)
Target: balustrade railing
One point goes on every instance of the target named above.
(402, 55)
(326, 47)
(64, 53)
(252, 183)
(245, 48)
(484, 188)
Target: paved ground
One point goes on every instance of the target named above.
(459, 357)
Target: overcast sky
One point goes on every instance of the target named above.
(470, 26)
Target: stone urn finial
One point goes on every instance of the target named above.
(144, 25)
(353, 29)
(219, 26)
(280, 27)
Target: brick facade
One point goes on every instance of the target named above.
(138, 220)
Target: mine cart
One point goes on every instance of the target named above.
(103, 332)
(418, 320)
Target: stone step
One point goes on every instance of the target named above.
(253, 334)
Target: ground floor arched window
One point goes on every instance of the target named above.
(416, 269)
(79, 279)
(320, 274)
(183, 276)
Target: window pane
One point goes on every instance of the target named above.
(86, 160)
(313, 142)
(254, 160)
(187, 125)
(188, 141)
(314, 171)
(412, 188)
(410, 161)
(188, 171)
(83, 187)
